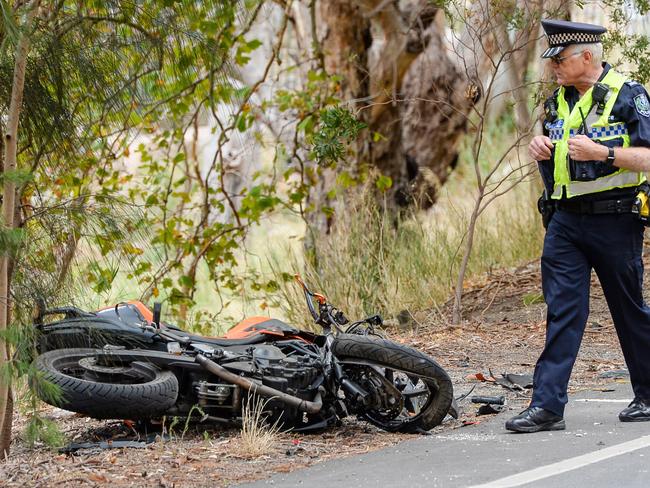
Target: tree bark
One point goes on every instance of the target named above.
(438, 98)
(458, 291)
(397, 42)
(8, 211)
(398, 78)
(344, 40)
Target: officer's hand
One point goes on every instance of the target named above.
(581, 148)
(540, 148)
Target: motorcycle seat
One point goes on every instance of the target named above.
(252, 330)
(249, 331)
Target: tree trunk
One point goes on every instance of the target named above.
(458, 291)
(396, 74)
(8, 211)
(438, 99)
(344, 39)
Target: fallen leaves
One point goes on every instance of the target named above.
(99, 478)
(480, 377)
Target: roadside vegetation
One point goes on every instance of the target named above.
(373, 265)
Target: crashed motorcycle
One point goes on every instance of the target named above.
(123, 362)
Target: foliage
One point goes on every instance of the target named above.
(632, 48)
(98, 75)
(40, 429)
(338, 126)
(108, 84)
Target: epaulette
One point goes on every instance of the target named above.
(632, 83)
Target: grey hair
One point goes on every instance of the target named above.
(596, 50)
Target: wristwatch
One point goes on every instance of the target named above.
(610, 156)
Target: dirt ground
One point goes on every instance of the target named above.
(503, 334)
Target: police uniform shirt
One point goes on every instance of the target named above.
(631, 107)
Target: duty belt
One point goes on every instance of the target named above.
(622, 205)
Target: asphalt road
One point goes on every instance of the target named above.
(595, 451)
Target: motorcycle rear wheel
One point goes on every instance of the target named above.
(135, 390)
(414, 367)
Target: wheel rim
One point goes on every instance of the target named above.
(103, 369)
(416, 395)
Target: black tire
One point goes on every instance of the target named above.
(144, 391)
(385, 353)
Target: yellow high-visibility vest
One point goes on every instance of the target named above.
(599, 129)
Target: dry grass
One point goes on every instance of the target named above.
(371, 266)
(258, 437)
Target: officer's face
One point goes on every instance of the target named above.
(571, 65)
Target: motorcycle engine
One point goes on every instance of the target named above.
(292, 374)
(290, 370)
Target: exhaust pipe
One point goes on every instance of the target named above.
(254, 387)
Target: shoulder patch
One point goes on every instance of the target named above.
(642, 105)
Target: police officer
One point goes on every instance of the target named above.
(595, 148)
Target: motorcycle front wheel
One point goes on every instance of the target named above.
(90, 382)
(409, 391)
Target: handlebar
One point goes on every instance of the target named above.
(308, 295)
(328, 316)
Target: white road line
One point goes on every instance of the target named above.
(568, 464)
(602, 400)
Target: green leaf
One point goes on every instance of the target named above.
(254, 44)
(186, 281)
(10, 240)
(383, 183)
(17, 176)
(532, 298)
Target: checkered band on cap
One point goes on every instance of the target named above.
(572, 38)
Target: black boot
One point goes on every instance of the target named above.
(637, 411)
(534, 419)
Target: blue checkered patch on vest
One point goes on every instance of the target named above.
(600, 132)
(555, 129)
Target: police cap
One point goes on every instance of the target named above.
(562, 33)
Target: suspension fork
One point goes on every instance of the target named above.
(350, 387)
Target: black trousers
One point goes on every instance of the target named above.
(574, 245)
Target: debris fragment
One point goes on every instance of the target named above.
(489, 409)
(292, 451)
(511, 381)
(470, 422)
(462, 397)
(615, 374)
(523, 380)
(490, 400)
(454, 409)
(76, 446)
(515, 382)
